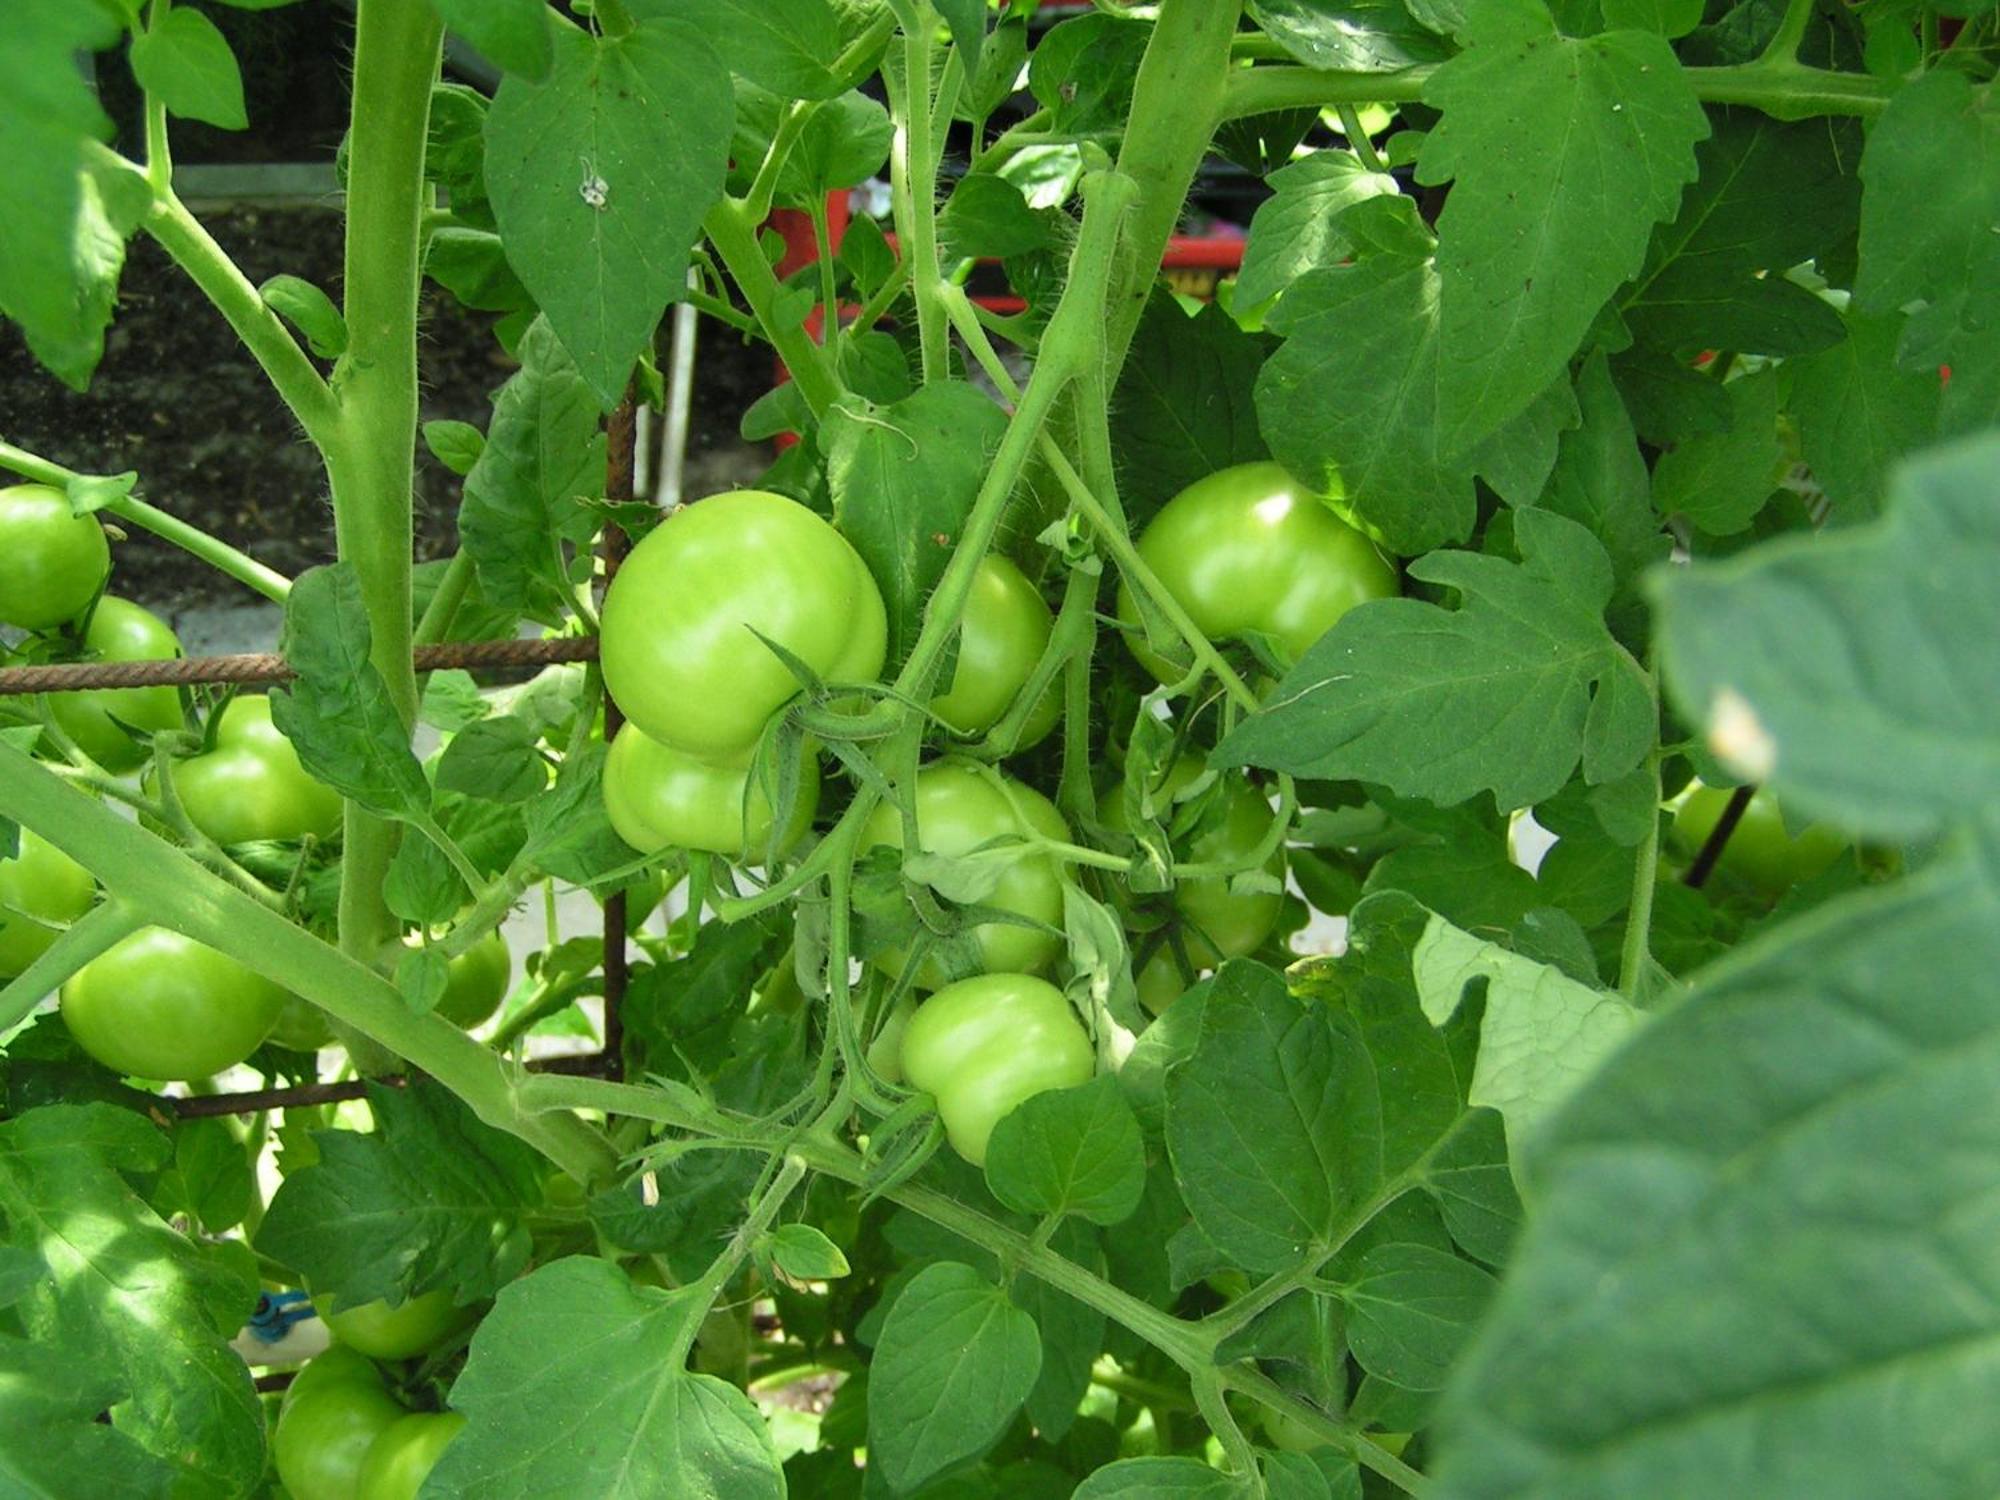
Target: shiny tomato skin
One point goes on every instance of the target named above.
(401, 1459)
(681, 654)
(1002, 635)
(120, 630)
(476, 981)
(414, 1326)
(39, 885)
(982, 1045)
(960, 806)
(1760, 852)
(324, 1432)
(1250, 549)
(163, 1006)
(252, 784)
(660, 797)
(52, 563)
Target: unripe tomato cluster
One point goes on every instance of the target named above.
(159, 1005)
(725, 614)
(341, 1433)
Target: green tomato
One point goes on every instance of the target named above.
(1760, 852)
(325, 1430)
(663, 798)
(1234, 819)
(252, 784)
(52, 563)
(335, 1365)
(160, 1005)
(301, 1026)
(401, 1459)
(959, 807)
(1002, 636)
(414, 1326)
(982, 1045)
(42, 891)
(120, 630)
(681, 653)
(476, 981)
(1250, 549)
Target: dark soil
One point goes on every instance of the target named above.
(179, 401)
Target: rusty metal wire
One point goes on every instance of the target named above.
(267, 666)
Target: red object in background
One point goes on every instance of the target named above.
(1193, 264)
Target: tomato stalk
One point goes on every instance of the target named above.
(1636, 957)
(913, 165)
(370, 456)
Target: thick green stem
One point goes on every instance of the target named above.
(733, 233)
(1176, 103)
(1633, 960)
(371, 457)
(244, 568)
(145, 875)
(913, 183)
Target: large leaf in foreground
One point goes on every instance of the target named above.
(1870, 660)
(1765, 1258)
(577, 1386)
(126, 1302)
(1504, 695)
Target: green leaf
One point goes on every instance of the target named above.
(1540, 1033)
(967, 20)
(1182, 408)
(1070, 1151)
(1082, 71)
(456, 445)
(1932, 173)
(1472, 1184)
(496, 759)
(421, 976)
(569, 833)
(307, 309)
(185, 63)
(1719, 481)
(513, 33)
(1410, 1311)
(543, 457)
(577, 1386)
(1858, 412)
(1297, 229)
(845, 143)
(61, 228)
(1754, 1268)
(784, 46)
(427, 1200)
(1351, 36)
(1769, 195)
(337, 712)
(600, 176)
(472, 265)
(903, 478)
(1600, 478)
(954, 1362)
(1161, 1479)
(1071, 1336)
(1670, 18)
(50, 1435)
(1504, 695)
(1562, 153)
(805, 1254)
(212, 1177)
(125, 1302)
(1274, 1122)
(987, 216)
(1866, 658)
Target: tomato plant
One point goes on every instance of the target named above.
(659, 797)
(52, 561)
(682, 653)
(1250, 549)
(250, 785)
(982, 1046)
(159, 1004)
(1103, 917)
(42, 890)
(102, 722)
